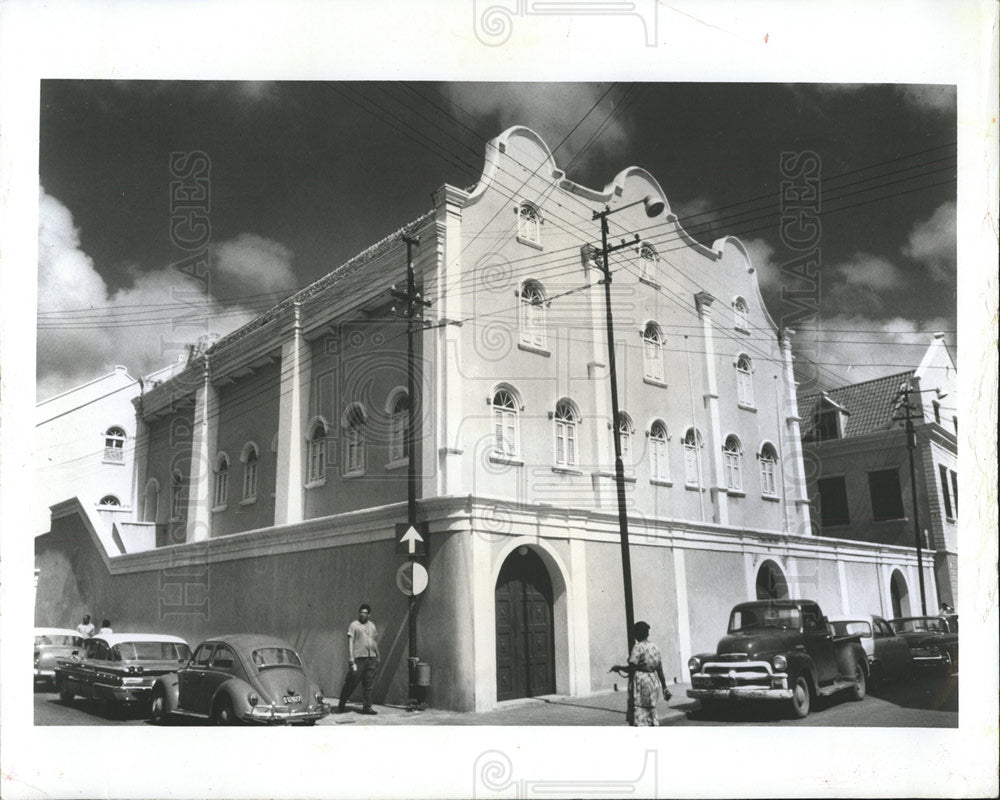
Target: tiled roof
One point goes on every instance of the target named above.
(346, 270)
(871, 405)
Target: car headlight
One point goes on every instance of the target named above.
(694, 664)
(319, 697)
(252, 699)
(780, 663)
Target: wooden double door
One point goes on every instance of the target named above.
(524, 630)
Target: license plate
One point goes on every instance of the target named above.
(292, 698)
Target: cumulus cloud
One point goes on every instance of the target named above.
(851, 348)
(762, 258)
(873, 272)
(932, 242)
(85, 328)
(929, 97)
(552, 111)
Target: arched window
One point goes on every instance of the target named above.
(354, 420)
(647, 262)
(114, 445)
(528, 223)
(566, 420)
(221, 481)
(768, 470)
(732, 453)
(659, 468)
(744, 381)
(771, 583)
(151, 500)
(505, 427)
(899, 594)
(399, 425)
(740, 315)
(250, 458)
(652, 349)
(532, 314)
(177, 495)
(692, 458)
(317, 452)
(626, 432)
(110, 501)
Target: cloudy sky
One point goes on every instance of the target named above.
(305, 175)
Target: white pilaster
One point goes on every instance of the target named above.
(293, 410)
(793, 467)
(720, 498)
(203, 446)
(579, 620)
(683, 620)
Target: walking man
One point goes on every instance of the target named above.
(362, 649)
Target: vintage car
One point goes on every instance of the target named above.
(931, 641)
(118, 669)
(889, 656)
(241, 678)
(50, 645)
(779, 651)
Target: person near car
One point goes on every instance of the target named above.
(645, 678)
(362, 649)
(105, 627)
(86, 628)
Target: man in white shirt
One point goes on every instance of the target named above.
(86, 628)
(362, 650)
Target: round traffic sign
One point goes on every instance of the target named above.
(411, 578)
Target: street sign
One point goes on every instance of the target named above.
(411, 578)
(411, 540)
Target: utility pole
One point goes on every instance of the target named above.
(412, 314)
(654, 206)
(911, 444)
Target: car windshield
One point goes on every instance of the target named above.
(54, 638)
(851, 628)
(764, 617)
(919, 624)
(151, 651)
(275, 657)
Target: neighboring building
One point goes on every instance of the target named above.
(271, 472)
(85, 447)
(858, 461)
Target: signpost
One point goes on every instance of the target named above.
(411, 578)
(411, 540)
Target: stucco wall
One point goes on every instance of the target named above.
(715, 583)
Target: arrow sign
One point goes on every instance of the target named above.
(411, 540)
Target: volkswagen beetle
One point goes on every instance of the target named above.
(241, 678)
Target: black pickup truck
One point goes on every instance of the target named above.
(779, 650)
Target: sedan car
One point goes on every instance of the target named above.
(118, 669)
(50, 645)
(930, 641)
(889, 656)
(241, 678)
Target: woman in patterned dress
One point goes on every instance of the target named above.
(645, 678)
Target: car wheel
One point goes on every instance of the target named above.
(860, 684)
(223, 714)
(799, 704)
(158, 710)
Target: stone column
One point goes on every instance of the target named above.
(293, 410)
(793, 468)
(717, 481)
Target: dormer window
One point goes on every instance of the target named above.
(829, 421)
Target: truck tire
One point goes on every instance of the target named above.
(798, 705)
(860, 682)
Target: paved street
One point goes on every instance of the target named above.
(921, 702)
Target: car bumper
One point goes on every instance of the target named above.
(270, 715)
(736, 687)
(127, 695)
(44, 674)
(737, 693)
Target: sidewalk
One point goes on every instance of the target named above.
(603, 708)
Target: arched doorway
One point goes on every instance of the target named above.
(899, 594)
(524, 627)
(771, 583)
